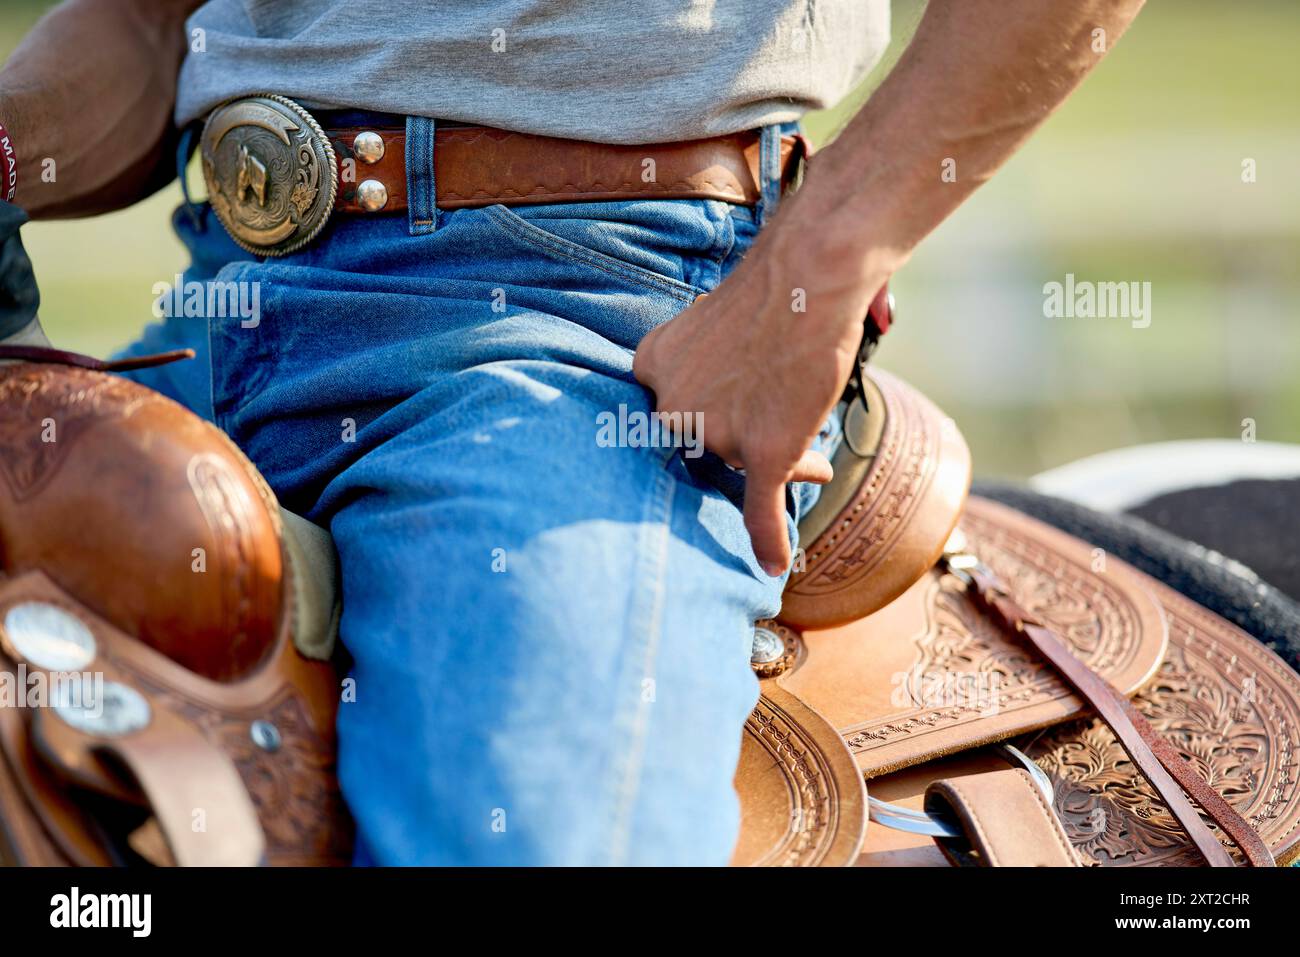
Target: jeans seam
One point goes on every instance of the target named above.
(538, 237)
(654, 554)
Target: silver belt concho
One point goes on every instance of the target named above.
(271, 173)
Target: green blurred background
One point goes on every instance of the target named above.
(1138, 178)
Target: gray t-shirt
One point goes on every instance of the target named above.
(618, 71)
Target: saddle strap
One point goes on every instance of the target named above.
(200, 807)
(1163, 767)
(1005, 820)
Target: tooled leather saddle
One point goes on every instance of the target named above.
(157, 605)
(953, 682)
(1005, 693)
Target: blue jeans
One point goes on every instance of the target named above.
(551, 632)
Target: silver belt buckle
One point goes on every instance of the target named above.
(271, 173)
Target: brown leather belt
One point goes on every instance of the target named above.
(481, 166)
(275, 175)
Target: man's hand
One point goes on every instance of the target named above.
(761, 362)
(978, 78)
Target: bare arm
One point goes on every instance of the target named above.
(91, 88)
(978, 78)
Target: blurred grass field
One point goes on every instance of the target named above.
(1138, 178)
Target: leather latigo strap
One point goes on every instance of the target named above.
(481, 166)
(1216, 695)
(1161, 765)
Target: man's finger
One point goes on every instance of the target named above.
(765, 519)
(641, 366)
(812, 467)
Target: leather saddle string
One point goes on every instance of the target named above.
(60, 357)
(1158, 761)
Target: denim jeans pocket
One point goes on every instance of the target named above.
(611, 246)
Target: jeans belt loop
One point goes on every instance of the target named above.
(422, 203)
(769, 169)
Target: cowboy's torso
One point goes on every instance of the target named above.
(619, 71)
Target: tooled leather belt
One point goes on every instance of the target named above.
(276, 175)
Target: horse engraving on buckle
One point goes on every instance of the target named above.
(271, 173)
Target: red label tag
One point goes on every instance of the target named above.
(8, 166)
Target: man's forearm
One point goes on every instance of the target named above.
(87, 99)
(978, 78)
